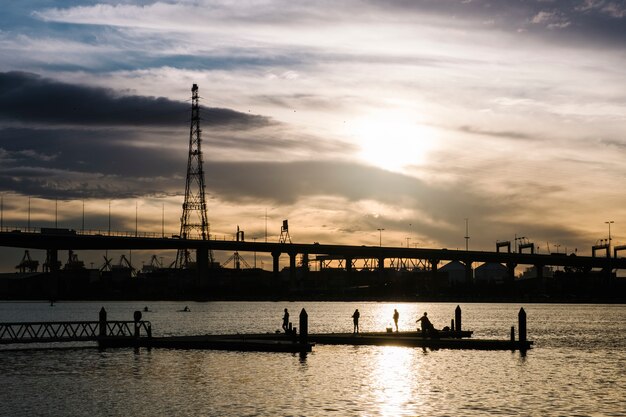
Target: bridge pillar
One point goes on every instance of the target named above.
(469, 278)
(305, 262)
(511, 267)
(275, 266)
(52, 257)
(540, 278)
(202, 264)
(381, 269)
(292, 269)
(433, 267)
(348, 265)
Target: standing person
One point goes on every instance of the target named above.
(396, 316)
(426, 324)
(286, 321)
(355, 320)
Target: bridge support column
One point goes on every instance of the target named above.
(381, 270)
(469, 278)
(275, 266)
(202, 264)
(433, 267)
(305, 262)
(540, 278)
(292, 270)
(52, 257)
(349, 265)
(511, 267)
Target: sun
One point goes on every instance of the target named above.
(393, 141)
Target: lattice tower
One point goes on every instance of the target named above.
(193, 222)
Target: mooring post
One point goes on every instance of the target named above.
(521, 317)
(304, 326)
(512, 333)
(452, 325)
(137, 317)
(103, 322)
(457, 319)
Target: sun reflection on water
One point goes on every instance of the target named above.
(393, 380)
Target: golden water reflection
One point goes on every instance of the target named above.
(393, 380)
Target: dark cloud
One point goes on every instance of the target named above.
(102, 152)
(29, 98)
(286, 183)
(498, 134)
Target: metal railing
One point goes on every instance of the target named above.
(113, 233)
(76, 331)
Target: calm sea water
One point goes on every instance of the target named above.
(577, 368)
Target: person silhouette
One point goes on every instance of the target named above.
(355, 320)
(286, 321)
(426, 324)
(396, 316)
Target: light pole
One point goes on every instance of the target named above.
(380, 237)
(609, 223)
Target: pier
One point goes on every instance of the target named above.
(138, 333)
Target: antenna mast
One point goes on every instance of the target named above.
(193, 222)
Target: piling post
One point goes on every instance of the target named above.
(457, 319)
(452, 325)
(103, 322)
(512, 333)
(304, 326)
(521, 317)
(137, 318)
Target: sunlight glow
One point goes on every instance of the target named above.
(393, 141)
(395, 377)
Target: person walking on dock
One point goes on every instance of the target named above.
(286, 321)
(396, 316)
(355, 319)
(426, 324)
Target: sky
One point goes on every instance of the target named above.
(343, 117)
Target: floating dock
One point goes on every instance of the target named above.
(399, 339)
(285, 343)
(129, 334)
(243, 343)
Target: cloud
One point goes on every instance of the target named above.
(30, 98)
(273, 23)
(498, 134)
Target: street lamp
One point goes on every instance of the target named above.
(380, 237)
(609, 223)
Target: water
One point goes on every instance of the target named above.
(576, 368)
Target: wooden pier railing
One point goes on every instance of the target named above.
(73, 331)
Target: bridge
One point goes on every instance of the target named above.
(53, 240)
